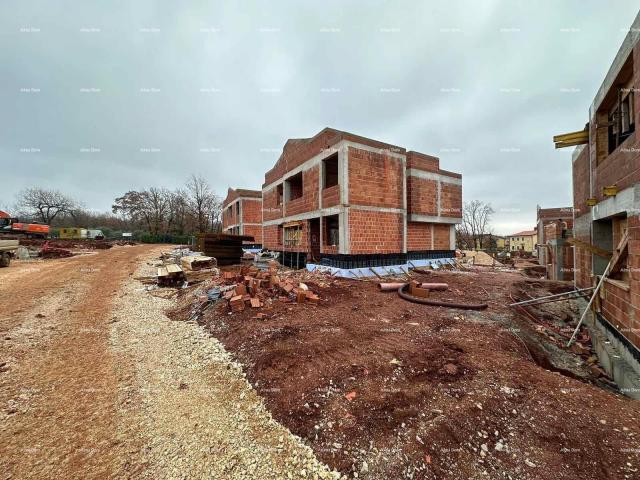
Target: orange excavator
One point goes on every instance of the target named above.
(11, 226)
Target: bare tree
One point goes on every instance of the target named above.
(203, 203)
(46, 205)
(476, 218)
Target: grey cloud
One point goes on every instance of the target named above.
(217, 87)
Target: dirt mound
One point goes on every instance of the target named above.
(481, 258)
(67, 243)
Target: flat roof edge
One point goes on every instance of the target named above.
(630, 41)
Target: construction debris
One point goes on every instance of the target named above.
(49, 251)
(418, 295)
(227, 249)
(193, 263)
(171, 275)
(394, 286)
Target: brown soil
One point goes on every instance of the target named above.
(68, 243)
(58, 385)
(393, 389)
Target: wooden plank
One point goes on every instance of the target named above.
(569, 137)
(173, 269)
(601, 252)
(621, 252)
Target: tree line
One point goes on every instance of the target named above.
(193, 208)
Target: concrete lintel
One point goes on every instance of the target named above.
(414, 217)
(377, 209)
(413, 172)
(241, 198)
(305, 216)
(628, 200)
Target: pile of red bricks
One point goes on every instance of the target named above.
(255, 288)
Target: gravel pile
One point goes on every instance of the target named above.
(189, 403)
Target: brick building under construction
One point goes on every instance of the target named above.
(606, 197)
(242, 213)
(347, 201)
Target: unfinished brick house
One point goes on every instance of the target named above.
(606, 196)
(555, 251)
(342, 200)
(242, 213)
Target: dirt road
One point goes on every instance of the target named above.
(95, 382)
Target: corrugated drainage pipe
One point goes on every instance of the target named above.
(437, 303)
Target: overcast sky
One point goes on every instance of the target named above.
(100, 97)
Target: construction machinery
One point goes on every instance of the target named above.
(11, 226)
(8, 250)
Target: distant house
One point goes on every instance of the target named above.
(524, 241)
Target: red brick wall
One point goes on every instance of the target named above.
(581, 182)
(582, 263)
(310, 188)
(418, 236)
(270, 237)
(622, 167)
(298, 151)
(271, 210)
(331, 196)
(375, 232)
(441, 236)
(424, 162)
(422, 196)
(255, 231)
(375, 179)
(450, 200)
(633, 264)
(251, 211)
(229, 218)
(618, 310)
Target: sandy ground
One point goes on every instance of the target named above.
(95, 382)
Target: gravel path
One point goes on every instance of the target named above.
(189, 404)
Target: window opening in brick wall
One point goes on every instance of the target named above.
(332, 230)
(294, 186)
(293, 236)
(602, 238)
(279, 194)
(615, 120)
(619, 226)
(330, 165)
(621, 122)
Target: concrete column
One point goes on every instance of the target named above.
(404, 205)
